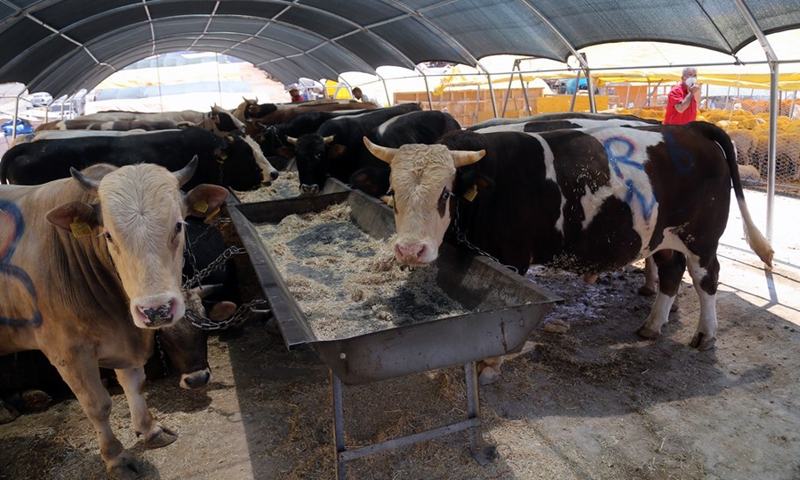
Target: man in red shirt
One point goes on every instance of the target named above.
(682, 100)
(296, 97)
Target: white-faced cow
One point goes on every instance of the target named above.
(229, 161)
(89, 267)
(582, 200)
(425, 126)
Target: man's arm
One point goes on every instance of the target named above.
(684, 104)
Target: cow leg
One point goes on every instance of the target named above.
(650, 277)
(80, 371)
(705, 282)
(155, 435)
(671, 265)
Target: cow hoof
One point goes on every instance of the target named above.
(36, 400)
(646, 291)
(163, 438)
(645, 332)
(702, 342)
(7, 413)
(124, 467)
(590, 278)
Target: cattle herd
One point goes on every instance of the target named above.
(94, 227)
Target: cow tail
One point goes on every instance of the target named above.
(755, 239)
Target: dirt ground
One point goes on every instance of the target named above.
(595, 402)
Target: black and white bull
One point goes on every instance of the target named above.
(558, 116)
(90, 266)
(582, 200)
(229, 161)
(335, 148)
(546, 122)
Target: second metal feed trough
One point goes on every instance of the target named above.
(503, 309)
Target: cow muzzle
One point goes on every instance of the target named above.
(157, 312)
(309, 189)
(414, 254)
(196, 380)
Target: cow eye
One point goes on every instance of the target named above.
(108, 237)
(178, 227)
(390, 192)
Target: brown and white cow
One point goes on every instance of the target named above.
(218, 120)
(583, 200)
(105, 120)
(89, 267)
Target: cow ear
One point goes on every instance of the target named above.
(470, 183)
(222, 310)
(336, 151)
(78, 217)
(205, 200)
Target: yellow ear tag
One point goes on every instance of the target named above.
(212, 214)
(471, 193)
(201, 206)
(222, 158)
(80, 229)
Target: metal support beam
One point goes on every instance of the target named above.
(589, 85)
(575, 92)
(482, 453)
(774, 95)
(774, 105)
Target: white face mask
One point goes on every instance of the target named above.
(691, 82)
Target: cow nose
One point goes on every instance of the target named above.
(409, 253)
(274, 174)
(309, 189)
(157, 316)
(195, 380)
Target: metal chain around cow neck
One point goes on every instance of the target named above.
(461, 238)
(241, 315)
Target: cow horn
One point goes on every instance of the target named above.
(292, 140)
(328, 139)
(204, 291)
(383, 153)
(185, 174)
(463, 158)
(89, 184)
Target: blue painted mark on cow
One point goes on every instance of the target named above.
(9, 212)
(619, 152)
(681, 158)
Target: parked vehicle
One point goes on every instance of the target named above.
(40, 99)
(23, 127)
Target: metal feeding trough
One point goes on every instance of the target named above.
(504, 307)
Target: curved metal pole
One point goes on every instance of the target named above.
(772, 59)
(578, 56)
(774, 96)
